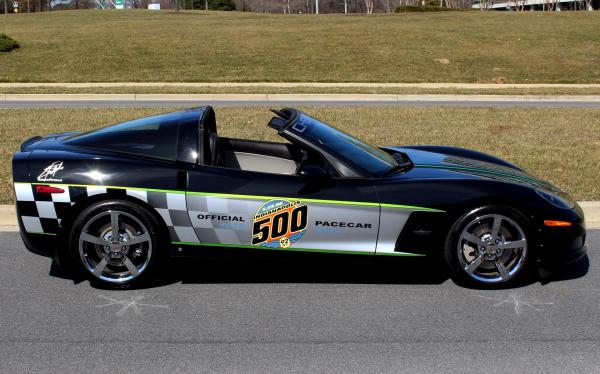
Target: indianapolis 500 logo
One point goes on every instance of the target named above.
(279, 223)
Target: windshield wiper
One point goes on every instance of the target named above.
(405, 164)
(398, 168)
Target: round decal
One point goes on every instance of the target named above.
(279, 223)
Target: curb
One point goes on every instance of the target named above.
(299, 84)
(8, 216)
(274, 98)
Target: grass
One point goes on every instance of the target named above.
(139, 45)
(301, 90)
(559, 145)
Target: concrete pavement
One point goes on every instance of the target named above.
(476, 86)
(162, 100)
(308, 317)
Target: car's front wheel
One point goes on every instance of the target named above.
(115, 243)
(489, 247)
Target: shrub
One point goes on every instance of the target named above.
(221, 5)
(7, 43)
(215, 4)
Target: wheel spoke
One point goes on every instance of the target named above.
(496, 227)
(474, 265)
(93, 239)
(114, 223)
(501, 269)
(138, 239)
(472, 239)
(131, 267)
(99, 268)
(512, 245)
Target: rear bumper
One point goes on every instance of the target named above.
(40, 244)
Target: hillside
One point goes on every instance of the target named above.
(139, 45)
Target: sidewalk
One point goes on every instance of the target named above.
(8, 217)
(474, 86)
(267, 98)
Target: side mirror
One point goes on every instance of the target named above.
(313, 173)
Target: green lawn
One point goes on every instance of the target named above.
(559, 145)
(138, 45)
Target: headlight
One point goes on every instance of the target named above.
(555, 200)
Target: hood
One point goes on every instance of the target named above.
(440, 165)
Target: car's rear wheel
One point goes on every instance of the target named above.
(489, 247)
(115, 243)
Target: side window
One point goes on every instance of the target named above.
(155, 136)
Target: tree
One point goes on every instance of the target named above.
(5, 7)
(369, 6)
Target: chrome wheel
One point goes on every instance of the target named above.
(115, 246)
(492, 248)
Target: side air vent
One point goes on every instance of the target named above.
(421, 233)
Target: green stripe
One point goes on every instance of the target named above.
(479, 170)
(295, 249)
(42, 233)
(253, 197)
(418, 208)
(404, 254)
(336, 202)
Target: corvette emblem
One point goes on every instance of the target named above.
(50, 171)
(279, 223)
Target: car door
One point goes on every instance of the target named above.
(240, 208)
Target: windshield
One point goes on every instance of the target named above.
(357, 153)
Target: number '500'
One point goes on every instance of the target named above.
(284, 223)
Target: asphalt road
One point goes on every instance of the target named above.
(264, 316)
(178, 103)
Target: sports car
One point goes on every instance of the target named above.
(114, 203)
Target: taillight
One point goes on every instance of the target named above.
(48, 189)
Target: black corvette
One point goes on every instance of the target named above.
(111, 203)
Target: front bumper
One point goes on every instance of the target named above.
(562, 245)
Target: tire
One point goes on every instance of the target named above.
(115, 263)
(489, 248)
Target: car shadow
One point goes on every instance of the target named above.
(410, 271)
(295, 270)
(571, 271)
